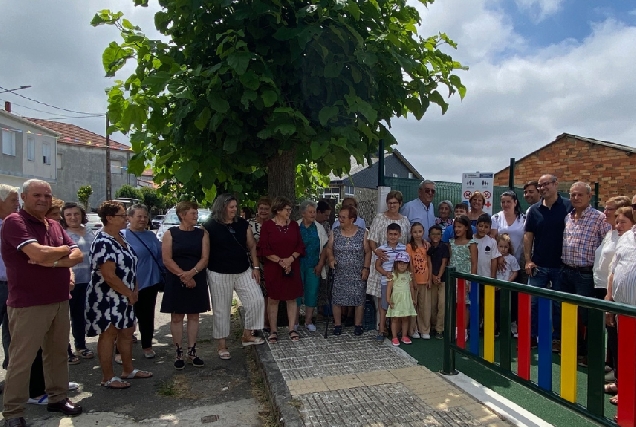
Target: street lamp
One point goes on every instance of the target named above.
(13, 90)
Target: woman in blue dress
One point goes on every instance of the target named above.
(110, 296)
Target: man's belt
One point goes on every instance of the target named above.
(586, 269)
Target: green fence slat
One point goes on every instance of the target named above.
(505, 336)
(595, 361)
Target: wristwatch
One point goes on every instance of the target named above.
(256, 268)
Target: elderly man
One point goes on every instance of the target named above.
(9, 203)
(585, 228)
(421, 209)
(351, 201)
(38, 255)
(531, 192)
(543, 245)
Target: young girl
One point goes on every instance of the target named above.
(420, 326)
(463, 250)
(400, 294)
(509, 273)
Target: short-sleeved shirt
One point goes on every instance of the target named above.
(486, 251)
(311, 240)
(511, 266)
(582, 236)
(82, 271)
(514, 230)
(419, 261)
(547, 225)
(30, 284)
(228, 246)
(438, 254)
(391, 253)
(417, 211)
(149, 264)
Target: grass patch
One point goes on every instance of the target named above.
(167, 388)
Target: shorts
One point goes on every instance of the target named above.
(384, 302)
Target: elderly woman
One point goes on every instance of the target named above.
(149, 273)
(281, 244)
(111, 295)
(621, 284)
(231, 269)
(444, 218)
(312, 262)
(476, 202)
(350, 255)
(377, 237)
(185, 250)
(263, 213)
(73, 220)
(346, 202)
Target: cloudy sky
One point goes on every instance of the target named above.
(538, 68)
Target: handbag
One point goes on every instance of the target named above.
(162, 282)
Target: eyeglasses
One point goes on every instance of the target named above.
(393, 203)
(121, 215)
(545, 184)
(607, 208)
(429, 190)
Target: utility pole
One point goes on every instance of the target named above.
(108, 176)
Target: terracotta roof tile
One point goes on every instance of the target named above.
(75, 135)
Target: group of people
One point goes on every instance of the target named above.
(106, 284)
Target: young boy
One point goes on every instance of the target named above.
(487, 254)
(438, 257)
(391, 249)
(449, 233)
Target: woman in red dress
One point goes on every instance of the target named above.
(281, 245)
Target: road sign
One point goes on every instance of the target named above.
(482, 182)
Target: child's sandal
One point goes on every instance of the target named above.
(273, 337)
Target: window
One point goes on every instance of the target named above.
(59, 161)
(30, 149)
(8, 142)
(349, 191)
(395, 175)
(46, 153)
(411, 175)
(115, 167)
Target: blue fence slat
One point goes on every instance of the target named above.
(545, 343)
(474, 317)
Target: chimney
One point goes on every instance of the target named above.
(7, 106)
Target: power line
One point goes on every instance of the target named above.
(49, 112)
(49, 105)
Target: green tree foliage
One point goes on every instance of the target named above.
(152, 199)
(247, 87)
(128, 192)
(84, 194)
(310, 183)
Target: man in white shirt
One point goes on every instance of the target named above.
(421, 209)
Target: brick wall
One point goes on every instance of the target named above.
(571, 160)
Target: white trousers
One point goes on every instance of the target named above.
(222, 287)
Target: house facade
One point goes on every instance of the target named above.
(28, 151)
(82, 161)
(574, 158)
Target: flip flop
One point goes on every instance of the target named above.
(86, 353)
(252, 341)
(150, 355)
(224, 354)
(136, 374)
(122, 384)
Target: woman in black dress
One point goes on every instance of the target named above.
(185, 251)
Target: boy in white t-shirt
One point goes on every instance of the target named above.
(487, 252)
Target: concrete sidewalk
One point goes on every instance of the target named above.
(357, 381)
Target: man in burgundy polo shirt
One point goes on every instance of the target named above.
(38, 254)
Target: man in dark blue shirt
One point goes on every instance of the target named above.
(543, 245)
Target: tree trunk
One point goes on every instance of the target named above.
(281, 176)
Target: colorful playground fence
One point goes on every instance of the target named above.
(570, 305)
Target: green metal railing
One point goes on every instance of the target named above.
(595, 329)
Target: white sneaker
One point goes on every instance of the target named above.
(311, 327)
(72, 386)
(513, 328)
(425, 336)
(416, 335)
(44, 400)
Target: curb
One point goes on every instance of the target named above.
(277, 392)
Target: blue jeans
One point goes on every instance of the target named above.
(4, 319)
(579, 283)
(541, 279)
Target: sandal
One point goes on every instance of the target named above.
(224, 354)
(85, 353)
(273, 338)
(337, 330)
(118, 359)
(136, 374)
(193, 358)
(73, 359)
(246, 342)
(179, 364)
(614, 400)
(610, 388)
(294, 336)
(116, 383)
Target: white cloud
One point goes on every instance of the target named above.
(539, 9)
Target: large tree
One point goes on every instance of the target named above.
(246, 90)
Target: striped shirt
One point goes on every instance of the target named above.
(624, 269)
(582, 236)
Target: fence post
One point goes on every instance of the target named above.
(596, 190)
(448, 367)
(511, 174)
